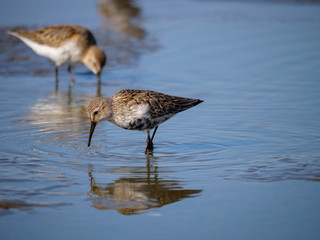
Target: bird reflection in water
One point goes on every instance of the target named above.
(136, 195)
(58, 116)
(122, 16)
(123, 35)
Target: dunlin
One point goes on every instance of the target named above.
(65, 44)
(137, 110)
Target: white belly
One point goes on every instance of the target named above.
(67, 52)
(132, 114)
(137, 117)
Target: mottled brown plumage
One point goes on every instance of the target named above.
(137, 110)
(65, 44)
(54, 36)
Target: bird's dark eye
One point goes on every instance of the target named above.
(95, 113)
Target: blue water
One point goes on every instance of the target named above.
(244, 164)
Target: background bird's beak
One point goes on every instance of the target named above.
(93, 125)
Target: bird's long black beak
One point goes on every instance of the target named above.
(93, 125)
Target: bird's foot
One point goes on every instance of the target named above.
(149, 146)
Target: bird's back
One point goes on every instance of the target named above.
(55, 36)
(141, 109)
(160, 104)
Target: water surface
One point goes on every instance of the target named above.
(244, 164)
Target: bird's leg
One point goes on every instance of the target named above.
(71, 82)
(70, 74)
(154, 132)
(149, 145)
(57, 80)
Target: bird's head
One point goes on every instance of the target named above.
(98, 110)
(95, 59)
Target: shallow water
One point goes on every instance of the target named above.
(244, 164)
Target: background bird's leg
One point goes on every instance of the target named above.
(70, 74)
(57, 80)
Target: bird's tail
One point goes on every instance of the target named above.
(187, 103)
